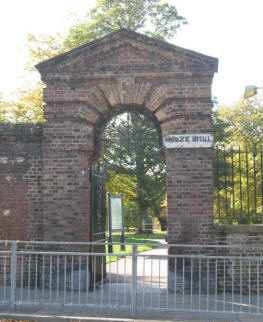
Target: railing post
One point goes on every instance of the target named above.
(13, 274)
(134, 281)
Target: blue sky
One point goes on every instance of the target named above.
(231, 30)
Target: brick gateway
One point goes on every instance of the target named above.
(44, 173)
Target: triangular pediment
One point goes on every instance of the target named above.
(124, 54)
(126, 48)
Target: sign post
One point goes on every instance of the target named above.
(122, 239)
(115, 217)
(109, 221)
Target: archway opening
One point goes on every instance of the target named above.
(131, 153)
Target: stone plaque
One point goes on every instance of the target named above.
(202, 140)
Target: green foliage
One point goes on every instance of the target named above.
(160, 20)
(123, 183)
(41, 47)
(116, 183)
(131, 215)
(24, 106)
(242, 122)
(3, 109)
(131, 151)
(158, 210)
(220, 127)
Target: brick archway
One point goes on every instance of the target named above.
(88, 85)
(98, 131)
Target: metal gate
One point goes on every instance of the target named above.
(238, 185)
(97, 223)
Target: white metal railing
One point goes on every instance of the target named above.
(203, 278)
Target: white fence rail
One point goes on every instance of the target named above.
(186, 278)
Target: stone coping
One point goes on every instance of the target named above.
(238, 229)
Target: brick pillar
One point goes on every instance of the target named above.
(66, 186)
(190, 195)
(189, 207)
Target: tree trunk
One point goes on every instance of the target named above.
(142, 215)
(163, 223)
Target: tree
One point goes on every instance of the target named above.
(41, 47)
(130, 144)
(152, 17)
(2, 109)
(158, 210)
(220, 126)
(122, 183)
(26, 104)
(160, 20)
(243, 122)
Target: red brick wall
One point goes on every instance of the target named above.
(20, 182)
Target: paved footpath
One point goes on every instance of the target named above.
(145, 267)
(110, 315)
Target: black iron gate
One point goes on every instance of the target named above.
(97, 223)
(97, 204)
(238, 185)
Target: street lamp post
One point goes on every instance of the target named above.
(251, 90)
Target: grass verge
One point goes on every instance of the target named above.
(131, 237)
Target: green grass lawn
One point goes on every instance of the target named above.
(135, 236)
(131, 237)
